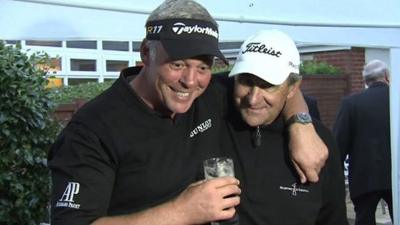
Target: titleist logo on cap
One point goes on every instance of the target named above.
(258, 47)
(179, 28)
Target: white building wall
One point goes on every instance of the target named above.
(99, 55)
(395, 131)
(378, 53)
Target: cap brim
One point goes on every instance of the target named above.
(185, 49)
(270, 73)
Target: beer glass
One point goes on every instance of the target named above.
(220, 167)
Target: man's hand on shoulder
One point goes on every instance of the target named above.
(308, 152)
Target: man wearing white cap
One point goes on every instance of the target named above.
(362, 131)
(266, 74)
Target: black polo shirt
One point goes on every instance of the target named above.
(116, 156)
(271, 191)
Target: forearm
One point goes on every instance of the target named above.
(200, 203)
(308, 152)
(164, 214)
(295, 105)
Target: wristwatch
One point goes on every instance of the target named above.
(303, 118)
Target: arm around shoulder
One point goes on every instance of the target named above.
(308, 151)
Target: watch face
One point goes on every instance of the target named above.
(304, 118)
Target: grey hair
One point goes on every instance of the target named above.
(293, 78)
(152, 45)
(375, 69)
(181, 9)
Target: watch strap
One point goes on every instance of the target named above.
(303, 118)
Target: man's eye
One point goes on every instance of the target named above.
(266, 85)
(272, 88)
(245, 80)
(176, 65)
(204, 68)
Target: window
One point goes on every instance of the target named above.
(44, 43)
(116, 45)
(83, 65)
(53, 66)
(12, 42)
(136, 46)
(116, 65)
(229, 45)
(82, 44)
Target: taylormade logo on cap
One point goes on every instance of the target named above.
(179, 28)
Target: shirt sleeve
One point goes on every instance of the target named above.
(333, 211)
(82, 177)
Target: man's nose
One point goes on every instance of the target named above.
(253, 95)
(188, 78)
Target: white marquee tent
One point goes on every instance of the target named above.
(359, 23)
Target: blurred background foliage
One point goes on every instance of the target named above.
(26, 132)
(79, 92)
(318, 68)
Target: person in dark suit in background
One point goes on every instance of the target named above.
(312, 105)
(362, 131)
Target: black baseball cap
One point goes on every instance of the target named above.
(185, 38)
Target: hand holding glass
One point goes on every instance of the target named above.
(220, 167)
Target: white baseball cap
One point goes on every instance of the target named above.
(270, 54)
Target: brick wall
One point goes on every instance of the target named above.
(329, 91)
(64, 112)
(350, 61)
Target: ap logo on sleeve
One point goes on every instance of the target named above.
(67, 198)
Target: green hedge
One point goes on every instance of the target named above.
(84, 91)
(318, 68)
(306, 68)
(26, 132)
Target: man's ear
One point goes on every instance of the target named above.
(293, 89)
(387, 78)
(144, 52)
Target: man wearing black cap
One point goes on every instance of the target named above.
(133, 154)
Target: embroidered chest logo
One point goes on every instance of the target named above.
(294, 189)
(67, 199)
(201, 128)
